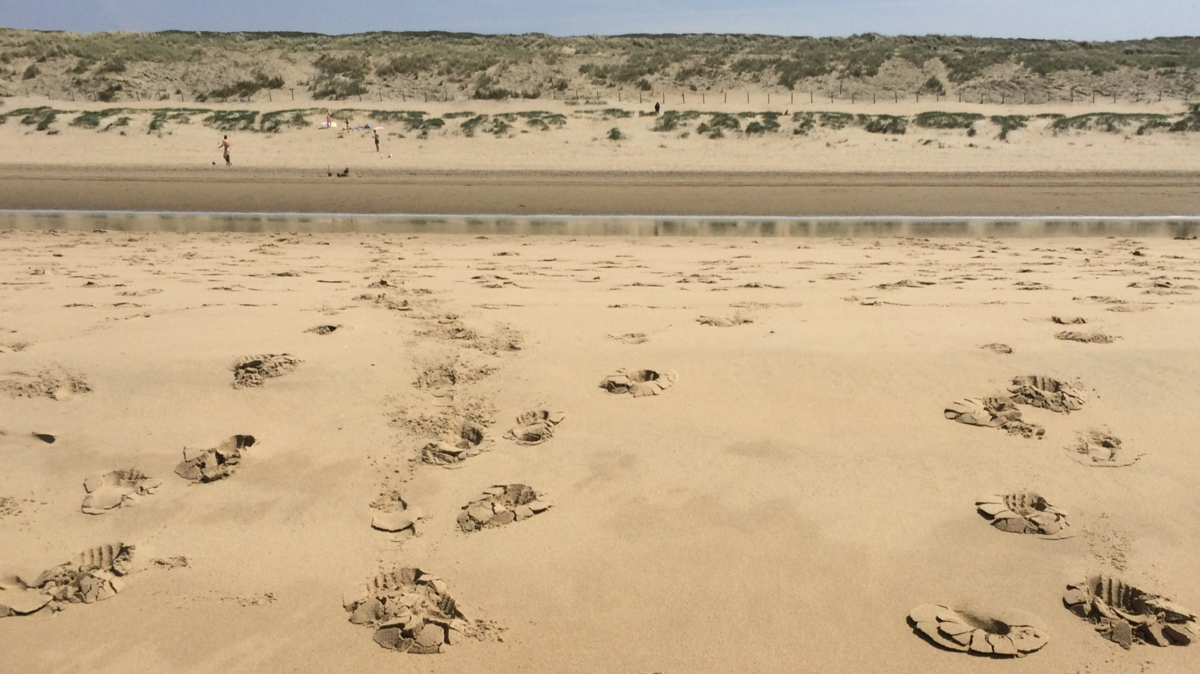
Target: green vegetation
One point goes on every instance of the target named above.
(1109, 122)
(274, 122)
(615, 134)
(231, 120)
(532, 65)
(946, 120)
(1190, 121)
(161, 116)
(244, 88)
(1008, 124)
(91, 120)
(40, 117)
(886, 124)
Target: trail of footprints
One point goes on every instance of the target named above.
(411, 610)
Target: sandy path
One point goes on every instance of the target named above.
(780, 508)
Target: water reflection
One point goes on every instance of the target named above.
(1188, 227)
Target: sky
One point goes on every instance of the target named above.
(1048, 19)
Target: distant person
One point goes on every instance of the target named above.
(376, 135)
(225, 145)
(328, 120)
(656, 108)
(347, 125)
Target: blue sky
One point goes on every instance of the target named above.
(1064, 19)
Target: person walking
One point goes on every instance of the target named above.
(224, 146)
(375, 133)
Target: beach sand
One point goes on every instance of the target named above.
(781, 507)
(576, 169)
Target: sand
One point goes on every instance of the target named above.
(576, 169)
(782, 506)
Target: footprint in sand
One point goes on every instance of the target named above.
(631, 338)
(323, 329)
(997, 348)
(1101, 449)
(638, 383)
(1085, 337)
(1126, 614)
(723, 322)
(9, 506)
(91, 576)
(54, 383)
(1005, 634)
(534, 427)
(116, 489)
(217, 463)
(410, 610)
(470, 443)
(398, 518)
(1047, 393)
(256, 370)
(499, 505)
(1025, 513)
(993, 412)
(1071, 320)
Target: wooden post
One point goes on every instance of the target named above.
(1001, 99)
(1093, 97)
(684, 98)
(726, 96)
(768, 98)
(810, 96)
(1114, 98)
(293, 94)
(269, 98)
(918, 97)
(664, 98)
(793, 98)
(747, 97)
(981, 99)
(872, 98)
(960, 97)
(702, 97)
(639, 98)
(896, 95)
(851, 99)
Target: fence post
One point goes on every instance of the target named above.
(702, 97)
(293, 94)
(768, 98)
(747, 97)
(872, 98)
(1114, 99)
(1093, 97)
(981, 99)
(896, 95)
(269, 98)
(1001, 99)
(683, 99)
(793, 97)
(664, 98)
(918, 95)
(851, 99)
(810, 96)
(639, 98)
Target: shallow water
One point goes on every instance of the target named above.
(834, 227)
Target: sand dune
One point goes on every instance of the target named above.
(789, 502)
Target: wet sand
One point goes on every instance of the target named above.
(603, 193)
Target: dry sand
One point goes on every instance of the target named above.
(782, 506)
(575, 169)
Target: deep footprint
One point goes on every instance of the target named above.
(116, 489)
(1004, 634)
(411, 611)
(992, 412)
(1025, 513)
(1047, 393)
(499, 505)
(256, 370)
(1126, 615)
(91, 576)
(1101, 449)
(534, 427)
(217, 463)
(638, 383)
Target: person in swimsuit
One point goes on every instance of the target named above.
(376, 134)
(225, 145)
